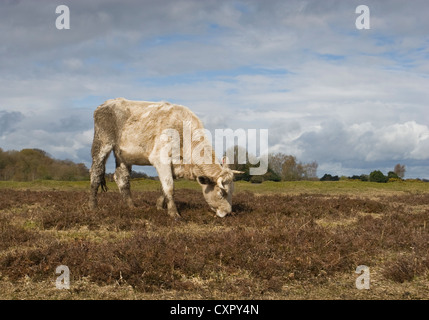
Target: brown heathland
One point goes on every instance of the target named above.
(275, 246)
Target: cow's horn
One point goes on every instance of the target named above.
(220, 183)
(225, 162)
(237, 172)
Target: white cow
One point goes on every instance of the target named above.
(135, 132)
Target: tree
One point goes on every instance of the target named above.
(33, 164)
(270, 175)
(377, 176)
(328, 177)
(2, 159)
(289, 168)
(280, 167)
(400, 170)
(364, 177)
(392, 175)
(310, 171)
(275, 162)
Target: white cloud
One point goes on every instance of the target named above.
(365, 143)
(325, 90)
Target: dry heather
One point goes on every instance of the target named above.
(273, 247)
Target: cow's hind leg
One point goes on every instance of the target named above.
(167, 183)
(122, 179)
(97, 171)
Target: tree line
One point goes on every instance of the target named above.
(281, 167)
(398, 173)
(36, 164)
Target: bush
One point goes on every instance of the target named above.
(392, 175)
(362, 177)
(270, 175)
(377, 176)
(328, 177)
(256, 179)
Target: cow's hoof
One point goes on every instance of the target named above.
(178, 219)
(176, 216)
(131, 206)
(92, 206)
(160, 203)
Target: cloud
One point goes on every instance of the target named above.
(8, 120)
(353, 146)
(400, 141)
(325, 90)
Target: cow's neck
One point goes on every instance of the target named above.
(201, 167)
(212, 171)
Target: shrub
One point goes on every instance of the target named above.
(404, 268)
(364, 177)
(256, 179)
(377, 176)
(392, 175)
(328, 177)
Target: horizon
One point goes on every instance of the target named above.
(151, 171)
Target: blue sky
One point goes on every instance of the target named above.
(352, 100)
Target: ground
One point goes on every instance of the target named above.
(286, 240)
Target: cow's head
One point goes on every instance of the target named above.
(218, 194)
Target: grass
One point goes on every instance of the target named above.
(334, 187)
(288, 240)
(267, 187)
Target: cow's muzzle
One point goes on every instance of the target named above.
(221, 214)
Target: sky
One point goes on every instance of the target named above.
(353, 100)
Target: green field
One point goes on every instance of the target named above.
(267, 187)
(285, 240)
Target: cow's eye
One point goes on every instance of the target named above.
(220, 194)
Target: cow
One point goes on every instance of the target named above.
(135, 132)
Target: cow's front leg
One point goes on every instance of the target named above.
(167, 183)
(161, 203)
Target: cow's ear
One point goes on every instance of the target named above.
(204, 180)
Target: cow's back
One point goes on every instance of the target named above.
(136, 126)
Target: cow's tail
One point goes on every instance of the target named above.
(103, 184)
